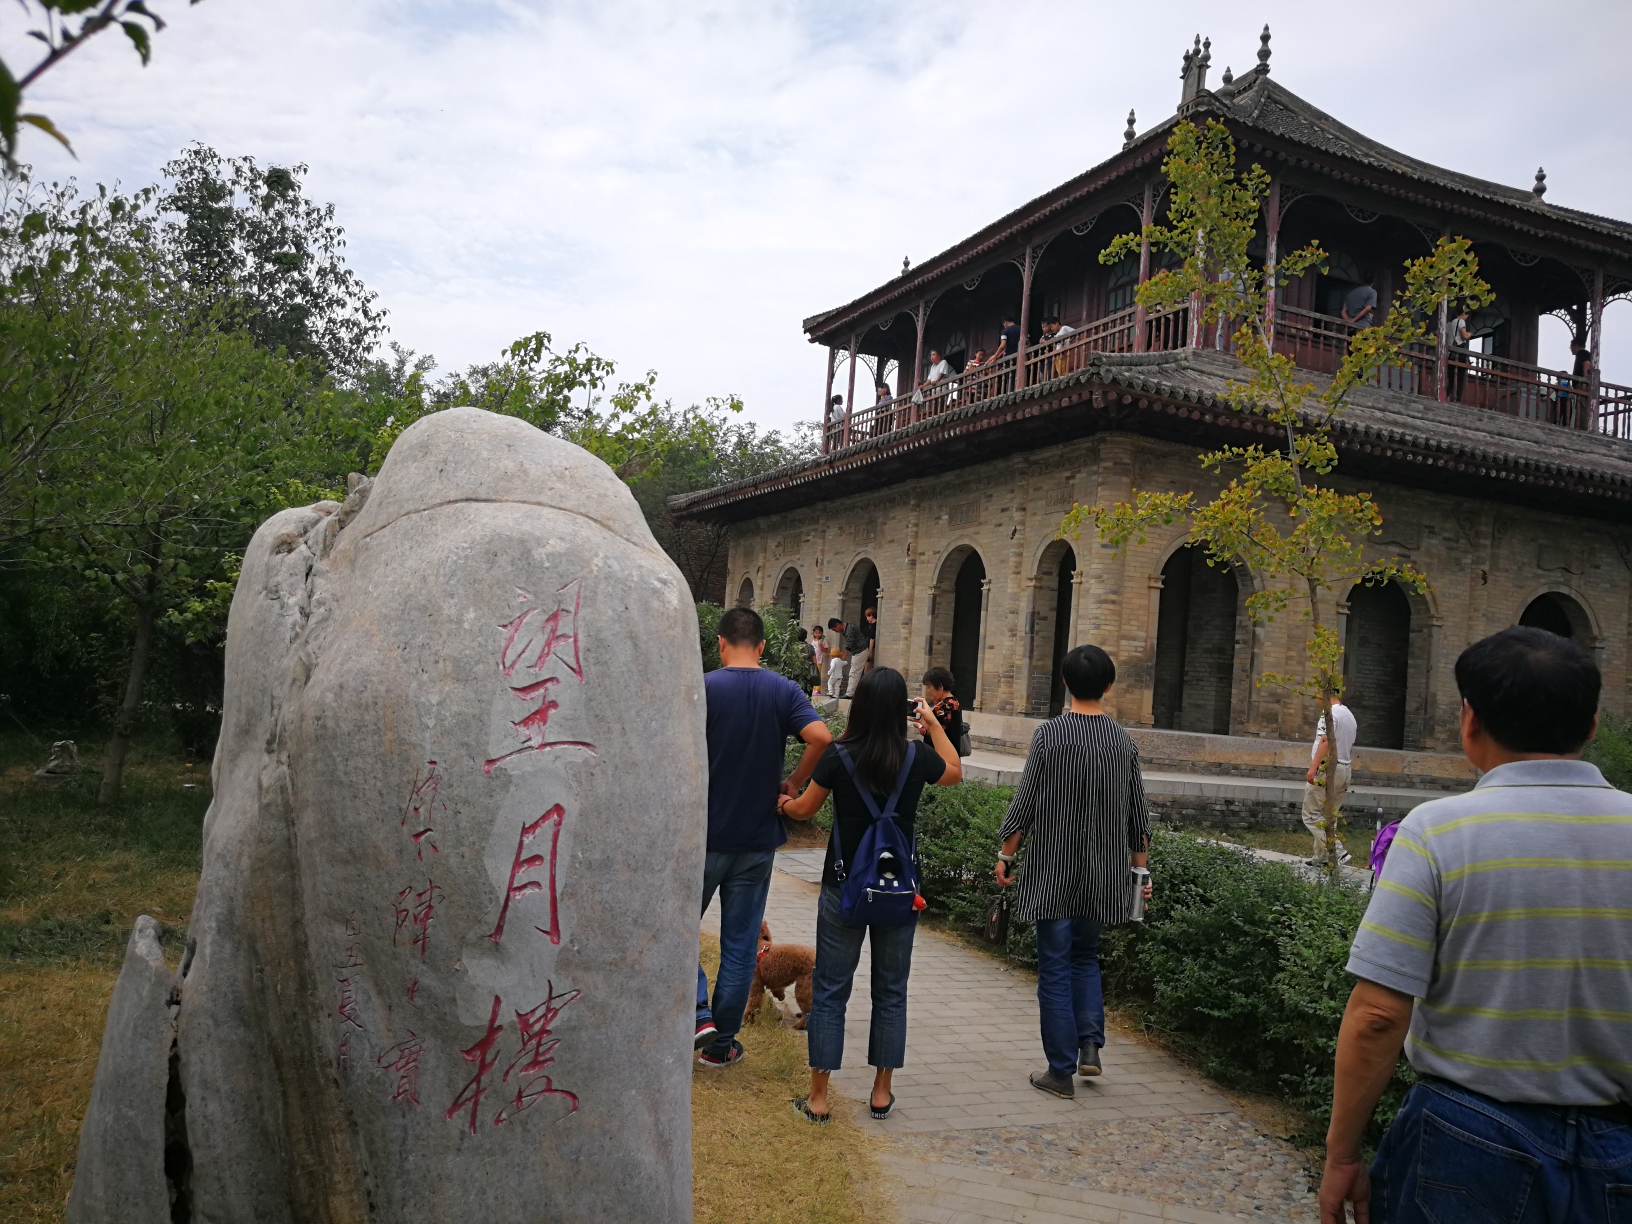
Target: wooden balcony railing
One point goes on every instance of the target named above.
(1314, 341)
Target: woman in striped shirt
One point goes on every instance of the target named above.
(1081, 800)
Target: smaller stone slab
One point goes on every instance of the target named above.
(119, 1177)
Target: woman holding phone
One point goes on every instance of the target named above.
(876, 743)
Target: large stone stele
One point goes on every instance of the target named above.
(442, 961)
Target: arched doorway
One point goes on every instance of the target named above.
(1376, 663)
(860, 593)
(1557, 613)
(1050, 629)
(745, 594)
(966, 598)
(1195, 644)
(790, 592)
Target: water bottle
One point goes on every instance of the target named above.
(1141, 877)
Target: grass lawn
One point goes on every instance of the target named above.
(74, 876)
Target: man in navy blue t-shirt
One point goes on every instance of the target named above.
(751, 712)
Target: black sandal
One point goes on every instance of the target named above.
(881, 1114)
(802, 1105)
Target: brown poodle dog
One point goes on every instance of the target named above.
(781, 966)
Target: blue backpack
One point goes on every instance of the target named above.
(882, 890)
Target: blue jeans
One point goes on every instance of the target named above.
(1457, 1155)
(1069, 1001)
(838, 952)
(743, 881)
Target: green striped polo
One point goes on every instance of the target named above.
(1507, 914)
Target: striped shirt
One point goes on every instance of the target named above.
(1507, 914)
(1081, 802)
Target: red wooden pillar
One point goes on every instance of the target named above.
(850, 399)
(1140, 341)
(1597, 333)
(827, 400)
(1272, 234)
(1439, 350)
(922, 317)
(1025, 321)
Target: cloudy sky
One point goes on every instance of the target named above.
(679, 184)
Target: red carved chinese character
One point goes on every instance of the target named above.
(538, 1050)
(513, 890)
(526, 630)
(424, 911)
(533, 726)
(404, 1060)
(422, 808)
(347, 1007)
(551, 635)
(413, 992)
(402, 912)
(484, 1056)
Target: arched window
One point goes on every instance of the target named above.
(1557, 613)
(745, 594)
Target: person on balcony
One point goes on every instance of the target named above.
(1572, 404)
(1360, 307)
(940, 371)
(1008, 344)
(1460, 355)
(883, 418)
(836, 417)
(1054, 334)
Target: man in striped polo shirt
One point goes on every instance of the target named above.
(1506, 915)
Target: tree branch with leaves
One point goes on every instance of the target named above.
(1276, 514)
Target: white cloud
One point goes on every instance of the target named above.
(679, 185)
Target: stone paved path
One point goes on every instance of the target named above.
(971, 1142)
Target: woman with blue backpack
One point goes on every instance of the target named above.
(870, 878)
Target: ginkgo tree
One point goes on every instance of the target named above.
(1277, 514)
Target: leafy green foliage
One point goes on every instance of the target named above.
(1611, 750)
(250, 246)
(62, 35)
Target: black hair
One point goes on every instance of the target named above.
(877, 733)
(837, 400)
(1533, 690)
(834, 622)
(742, 627)
(1051, 318)
(938, 677)
(868, 609)
(803, 636)
(1088, 672)
(1008, 319)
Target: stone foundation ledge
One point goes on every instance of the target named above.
(1244, 756)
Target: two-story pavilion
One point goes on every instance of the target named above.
(1509, 484)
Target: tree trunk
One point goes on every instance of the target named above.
(124, 723)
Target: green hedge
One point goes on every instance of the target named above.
(1238, 959)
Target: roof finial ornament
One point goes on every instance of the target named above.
(1195, 69)
(1229, 77)
(1263, 49)
(1540, 189)
(906, 265)
(1131, 132)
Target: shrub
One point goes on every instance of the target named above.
(1238, 960)
(1611, 750)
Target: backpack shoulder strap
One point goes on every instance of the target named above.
(867, 795)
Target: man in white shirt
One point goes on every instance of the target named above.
(1314, 791)
(939, 367)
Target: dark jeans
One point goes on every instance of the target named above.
(742, 880)
(838, 951)
(1069, 1001)
(1456, 1155)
